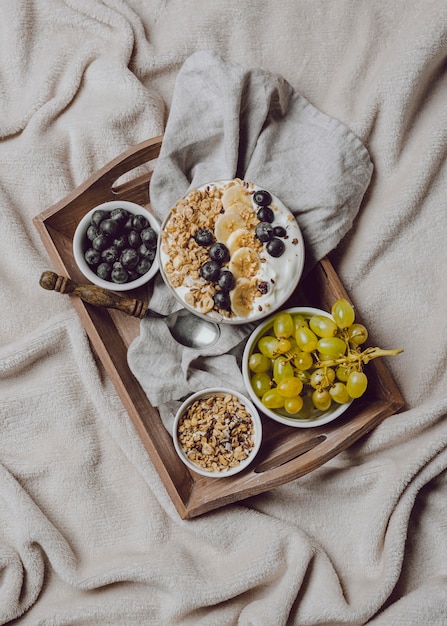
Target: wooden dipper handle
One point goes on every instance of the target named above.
(92, 294)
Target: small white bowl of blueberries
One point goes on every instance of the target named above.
(115, 245)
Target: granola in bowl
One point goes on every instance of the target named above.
(232, 251)
(217, 432)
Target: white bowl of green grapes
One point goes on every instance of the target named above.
(304, 366)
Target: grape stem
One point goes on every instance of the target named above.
(372, 353)
(360, 358)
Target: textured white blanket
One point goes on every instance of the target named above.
(88, 535)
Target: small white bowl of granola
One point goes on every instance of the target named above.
(231, 251)
(217, 432)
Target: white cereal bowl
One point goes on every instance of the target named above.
(256, 440)
(280, 274)
(318, 418)
(80, 242)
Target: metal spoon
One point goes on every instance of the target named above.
(185, 327)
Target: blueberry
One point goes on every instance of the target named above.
(226, 280)
(110, 254)
(119, 275)
(219, 253)
(139, 222)
(132, 275)
(265, 214)
(279, 231)
(119, 215)
(92, 232)
(262, 198)
(264, 231)
(204, 237)
(108, 227)
(134, 239)
(104, 271)
(145, 253)
(128, 224)
(222, 300)
(129, 258)
(149, 237)
(143, 266)
(276, 247)
(210, 271)
(98, 216)
(92, 256)
(120, 242)
(100, 243)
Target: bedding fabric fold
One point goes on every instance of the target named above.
(88, 534)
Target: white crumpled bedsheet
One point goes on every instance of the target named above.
(88, 534)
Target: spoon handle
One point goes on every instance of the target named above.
(92, 294)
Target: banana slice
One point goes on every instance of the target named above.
(235, 195)
(241, 238)
(226, 224)
(239, 207)
(242, 297)
(244, 263)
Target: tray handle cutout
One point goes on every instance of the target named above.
(126, 176)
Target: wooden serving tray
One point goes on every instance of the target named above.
(286, 452)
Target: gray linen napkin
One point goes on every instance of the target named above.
(228, 121)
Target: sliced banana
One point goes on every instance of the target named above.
(242, 297)
(241, 208)
(244, 263)
(241, 238)
(226, 224)
(235, 195)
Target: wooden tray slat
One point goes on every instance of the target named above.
(286, 452)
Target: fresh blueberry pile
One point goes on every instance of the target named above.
(121, 246)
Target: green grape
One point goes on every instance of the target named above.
(306, 339)
(342, 373)
(343, 313)
(281, 368)
(293, 405)
(356, 384)
(261, 382)
(323, 326)
(268, 345)
(331, 346)
(357, 334)
(304, 376)
(339, 393)
(293, 346)
(324, 357)
(290, 386)
(321, 399)
(272, 399)
(258, 362)
(299, 321)
(322, 377)
(283, 325)
(284, 346)
(303, 361)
